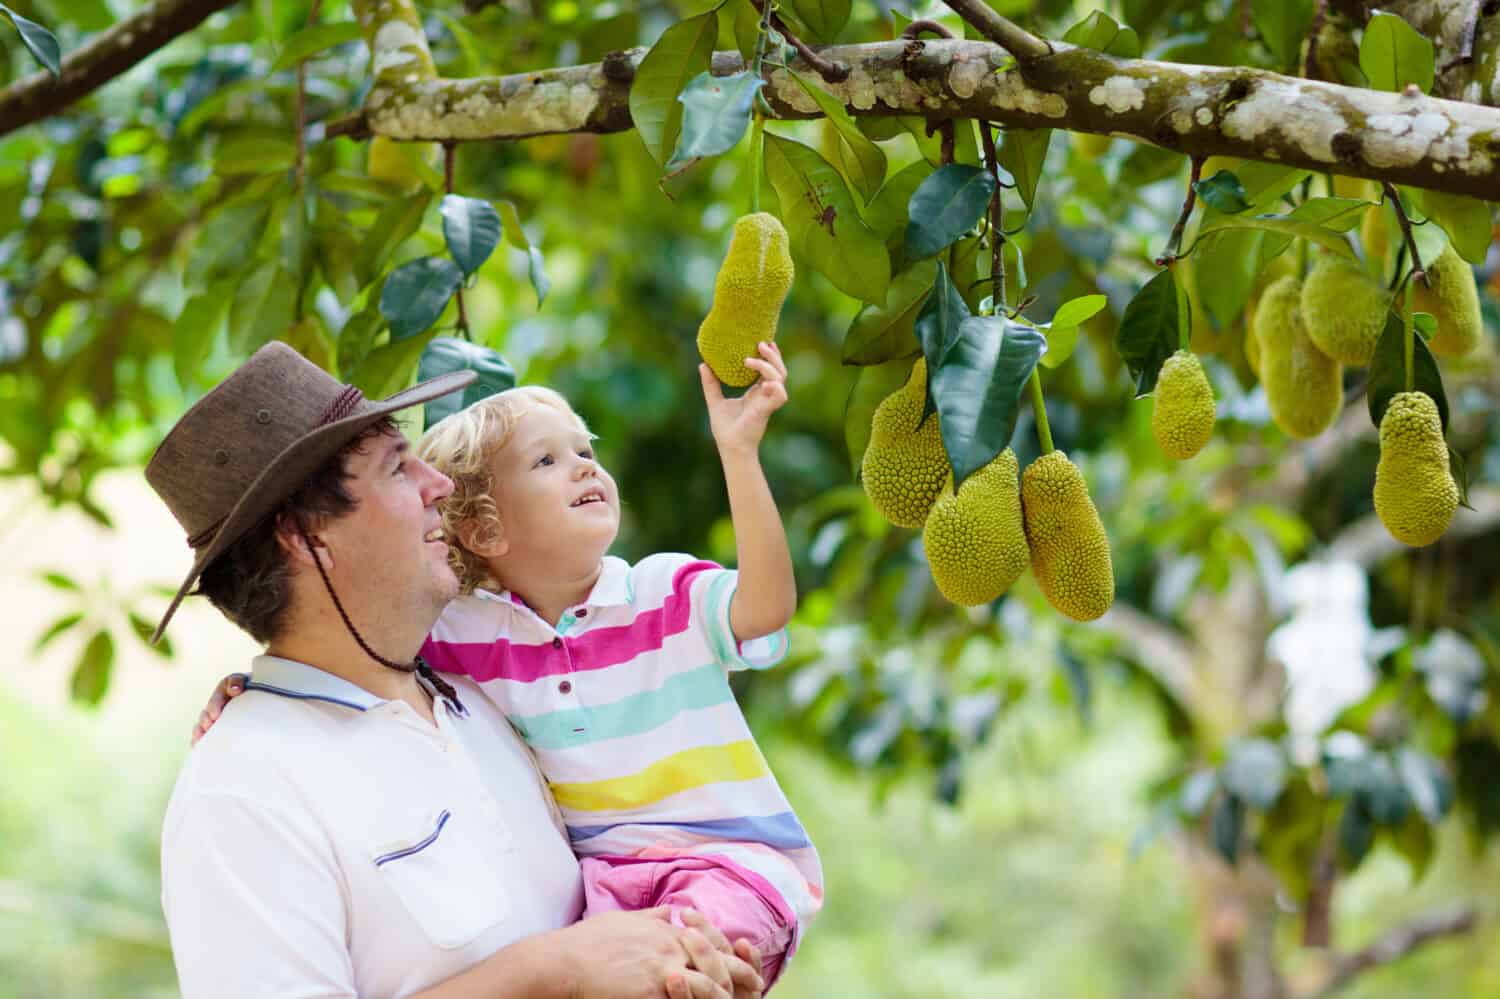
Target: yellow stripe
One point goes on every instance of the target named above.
(679, 772)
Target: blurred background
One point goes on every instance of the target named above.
(1273, 769)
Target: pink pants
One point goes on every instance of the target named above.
(741, 903)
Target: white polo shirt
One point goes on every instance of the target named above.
(323, 842)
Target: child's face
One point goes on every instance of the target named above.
(555, 501)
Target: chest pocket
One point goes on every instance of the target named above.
(444, 869)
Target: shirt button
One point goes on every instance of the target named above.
(582, 612)
(565, 687)
(557, 643)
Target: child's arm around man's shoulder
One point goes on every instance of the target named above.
(767, 593)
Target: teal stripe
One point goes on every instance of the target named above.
(717, 618)
(700, 688)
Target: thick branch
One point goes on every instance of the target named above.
(1016, 40)
(101, 59)
(1398, 943)
(1195, 110)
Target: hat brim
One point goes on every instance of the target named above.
(288, 470)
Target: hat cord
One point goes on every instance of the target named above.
(417, 665)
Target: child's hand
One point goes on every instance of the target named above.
(227, 690)
(739, 424)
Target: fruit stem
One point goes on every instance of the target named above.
(1039, 407)
(1417, 272)
(1409, 337)
(757, 147)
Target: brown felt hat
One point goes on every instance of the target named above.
(248, 444)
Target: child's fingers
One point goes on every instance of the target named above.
(772, 353)
(713, 392)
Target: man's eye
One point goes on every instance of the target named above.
(400, 468)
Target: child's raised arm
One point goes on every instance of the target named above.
(767, 592)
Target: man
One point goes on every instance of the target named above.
(354, 825)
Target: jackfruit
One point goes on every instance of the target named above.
(1069, 549)
(975, 541)
(1343, 309)
(1252, 344)
(1415, 494)
(905, 465)
(1280, 266)
(1182, 411)
(1452, 297)
(1304, 386)
(752, 283)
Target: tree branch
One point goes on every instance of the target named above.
(1366, 542)
(1398, 943)
(101, 59)
(1014, 39)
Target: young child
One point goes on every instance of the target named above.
(617, 674)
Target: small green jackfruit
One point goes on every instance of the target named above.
(905, 465)
(1344, 309)
(1182, 411)
(1415, 494)
(1069, 549)
(1304, 386)
(1452, 298)
(975, 541)
(752, 283)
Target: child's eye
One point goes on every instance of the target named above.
(400, 468)
(545, 459)
(586, 453)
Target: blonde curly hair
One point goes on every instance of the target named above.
(462, 446)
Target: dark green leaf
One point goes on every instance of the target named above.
(1356, 834)
(822, 223)
(314, 39)
(1151, 330)
(945, 206)
(389, 367)
(398, 220)
(1392, 54)
(91, 672)
(881, 333)
(1426, 784)
(417, 292)
(1282, 25)
(681, 53)
(871, 386)
(143, 630)
(887, 214)
(264, 306)
(40, 42)
(938, 321)
(445, 354)
(715, 113)
(357, 337)
(1223, 192)
(978, 387)
(1023, 153)
(57, 627)
(1256, 771)
(1228, 824)
(1388, 371)
(471, 228)
(864, 163)
(1465, 220)
(825, 18)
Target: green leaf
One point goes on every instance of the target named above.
(59, 581)
(388, 368)
(1388, 371)
(1062, 332)
(295, 237)
(357, 337)
(938, 321)
(682, 52)
(57, 627)
(516, 236)
(264, 306)
(1023, 153)
(90, 680)
(1287, 226)
(864, 162)
(1151, 330)
(417, 292)
(945, 207)
(471, 228)
(1429, 788)
(1335, 214)
(1413, 839)
(882, 333)
(398, 220)
(825, 18)
(1101, 32)
(871, 386)
(1228, 823)
(445, 354)
(255, 153)
(1196, 792)
(225, 241)
(1282, 24)
(1076, 311)
(715, 113)
(40, 42)
(1230, 259)
(1466, 221)
(887, 213)
(1392, 54)
(746, 23)
(977, 389)
(1425, 322)
(1224, 193)
(824, 228)
(314, 39)
(1356, 834)
(196, 329)
(143, 630)
(1256, 772)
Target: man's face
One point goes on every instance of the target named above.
(388, 553)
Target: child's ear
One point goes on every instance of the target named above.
(487, 540)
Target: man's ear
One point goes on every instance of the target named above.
(294, 542)
(484, 538)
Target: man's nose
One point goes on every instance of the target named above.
(439, 485)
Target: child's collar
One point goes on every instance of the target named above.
(611, 589)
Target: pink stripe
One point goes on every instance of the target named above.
(597, 649)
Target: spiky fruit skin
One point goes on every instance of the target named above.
(1415, 494)
(975, 541)
(1344, 310)
(1069, 549)
(905, 466)
(1452, 298)
(1182, 411)
(752, 283)
(1304, 386)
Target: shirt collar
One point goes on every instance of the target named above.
(290, 678)
(611, 589)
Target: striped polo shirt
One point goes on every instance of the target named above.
(627, 706)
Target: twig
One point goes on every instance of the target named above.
(450, 153)
(1310, 67)
(831, 71)
(997, 219)
(1317, 923)
(915, 28)
(1014, 39)
(1174, 241)
(1417, 271)
(354, 126)
(1398, 943)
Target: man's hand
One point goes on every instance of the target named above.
(227, 690)
(739, 424)
(635, 955)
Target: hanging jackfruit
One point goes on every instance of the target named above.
(1415, 494)
(975, 542)
(905, 465)
(752, 284)
(1304, 386)
(1182, 410)
(1069, 549)
(1343, 309)
(1452, 298)
(1280, 266)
